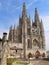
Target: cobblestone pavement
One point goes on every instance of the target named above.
(39, 62)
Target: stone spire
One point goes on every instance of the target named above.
(42, 35)
(42, 29)
(14, 34)
(36, 19)
(32, 22)
(29, 21)
(14, 27)
(11, 34)
(24, 10)
(29, 18)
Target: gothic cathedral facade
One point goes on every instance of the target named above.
(30, 35)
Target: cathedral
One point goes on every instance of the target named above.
(27, 37)
(30, 36)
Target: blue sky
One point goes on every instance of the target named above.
(10, 10)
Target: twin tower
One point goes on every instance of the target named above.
(30, 35)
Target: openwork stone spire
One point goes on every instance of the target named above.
(36, 19)
(42, 34)
(11, 34)
(24, 10)
(42, 29)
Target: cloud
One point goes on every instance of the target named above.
(29, 5)
(18, 7)
(34, 2)
(31, 2)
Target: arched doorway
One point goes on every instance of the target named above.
(30, 55)
(37, 54)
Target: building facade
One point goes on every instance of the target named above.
(31, 36)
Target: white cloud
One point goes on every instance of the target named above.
(18, 7)
(31, 2)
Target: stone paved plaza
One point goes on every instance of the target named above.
(39, 62)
